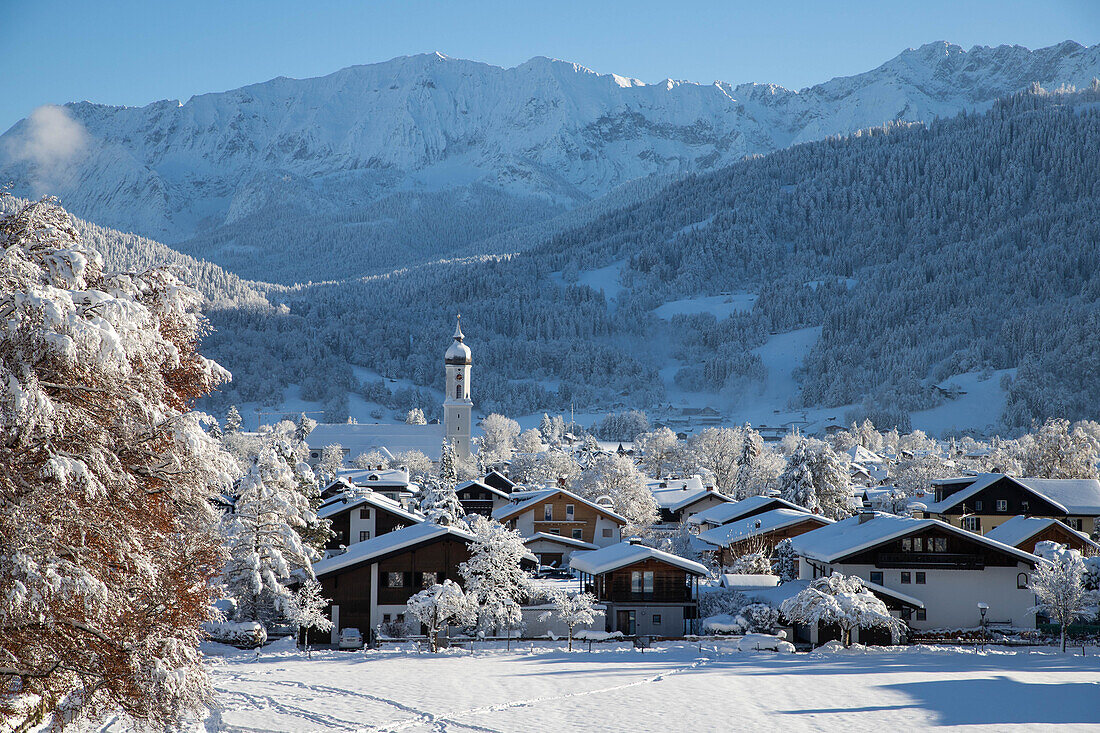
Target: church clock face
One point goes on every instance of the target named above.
(459, 376)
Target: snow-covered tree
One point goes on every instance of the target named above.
(831, 481)
(913, 473)
(548, 468)
(332, 460)
(752, 449)
(448, 464)
(717, 451)
(796, 484)
(493, 576)
(108, 541)
(266, 552)
(572, 610)
(753, 563)
(1059, 587)
(303, 426)
(1056, 451)
(618, 477)
(546, 430)
(786, 562)
(842, 600)
(498, 440)
(444, 604)
(370, 459)
(232, 420)
(439, 503)
(417, 462)
(415, 416)
(307, 610)
(530, 441)
(660, 450)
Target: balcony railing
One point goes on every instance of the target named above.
(929, 560)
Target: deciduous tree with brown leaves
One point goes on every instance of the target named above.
(107, 534)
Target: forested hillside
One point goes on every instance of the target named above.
(922, 252)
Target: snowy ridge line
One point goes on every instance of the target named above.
(398, 272)
(439, 721)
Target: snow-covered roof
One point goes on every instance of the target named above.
(482, 485)
(849, 536)
(1073, 496)
(383, 437)
(672, 492)
(526, 504)
(724, 513)
(352, 499)
(561, 540)
(859, 454)
(1021, 528)
(883, 590)
(612, 557)
(384, 544)
(757, 524)
(742, 580)
(373, 477)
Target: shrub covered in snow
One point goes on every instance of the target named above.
(243, 634)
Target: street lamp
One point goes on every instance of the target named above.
(983, 607)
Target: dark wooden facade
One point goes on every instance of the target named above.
(1057, 533)
(932, 548)
(727, 555)
(670, 584)
(476, 498)
(1019, 500)
(385, 521)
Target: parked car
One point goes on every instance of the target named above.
(351, 639)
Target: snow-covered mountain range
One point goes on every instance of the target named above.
(545, 128)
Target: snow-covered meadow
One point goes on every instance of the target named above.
(674, 686)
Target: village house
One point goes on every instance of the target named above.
(764, 531)
(948, 569)
(478, 497)
(731, 512)
(392, 483)
(358, 516)
(646, 591)
(1024, 533)
(554, 550)
(561, 512)
(680, 498)
(371, 583)
(980, 503)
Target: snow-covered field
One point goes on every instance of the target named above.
(675, 686)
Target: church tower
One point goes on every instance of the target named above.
(458, 407)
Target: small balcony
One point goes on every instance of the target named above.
(929, 560)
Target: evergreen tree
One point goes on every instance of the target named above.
(232, 420)
(797, 482)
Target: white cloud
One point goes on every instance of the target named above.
(52, 142)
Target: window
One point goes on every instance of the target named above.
(364, 513)
(1002, 505)
(548, 513)
(427, 580)
(918, 544)
(921, 578)
(906, 545)
(458, 391)
(977, 505)
(385, 618)
(395, 580)
(906, 578)
(576, 534)
(938, 544)
(635, 581)
(876, 577)
(656, 619)
(647, 581)
(364, 535)
(922, 614)
(906, 614)
(1021, 581)
(569, 512)
(606, 531)
(400, 618)
(972, 524)
(1074, 523)
(555, 530)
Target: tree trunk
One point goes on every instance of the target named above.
(570, 638)
(1063, 638)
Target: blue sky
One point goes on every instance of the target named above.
(136, 52)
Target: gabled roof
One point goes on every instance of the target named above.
(388, 543)
(1072, 496)
(673, 491)
(627, 553)
(1021, 528)
(849, 536)
(709, 493)
(351, 499)
(394, 477)
(507, 512)
(740, 580)
(757, 524)
(883, 590)
(724, 513)
(561, 540)
(483, 486)
(498, 480)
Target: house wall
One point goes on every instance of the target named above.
(700, 506)
(348, 524)
(543, 547)
(672, 621)
(1018, 499)
(1059, 534)
(534, 626)
(591, 523)
(670, 584)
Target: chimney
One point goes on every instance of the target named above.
(866, 513)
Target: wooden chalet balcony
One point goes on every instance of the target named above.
(929, 560)
(667, 596)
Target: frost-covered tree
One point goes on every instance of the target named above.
(786, 561)
(415, 416)
(796, 484)
(548, 468)
(618, 477)
(530, 441)
(266, 552)
(1059, 587)
(493, 577)
(572, 610)
(371, 459)
(546, 430)
(753, 563)
(448, 464)
(498, 440)
(442, 605)
(303, 426)
(660, 451)
(717, 451)
(1056, 451)
(307, 610)
(916, 472)
(232, 420)
(108, 541)
(332, 461)
(439, 503)
(817, 479)
(842, 600)
(417, 462)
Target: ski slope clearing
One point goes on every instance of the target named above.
(720, 306)
(983, 396)
(675, 686)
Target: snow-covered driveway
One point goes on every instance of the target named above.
(674, 687)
